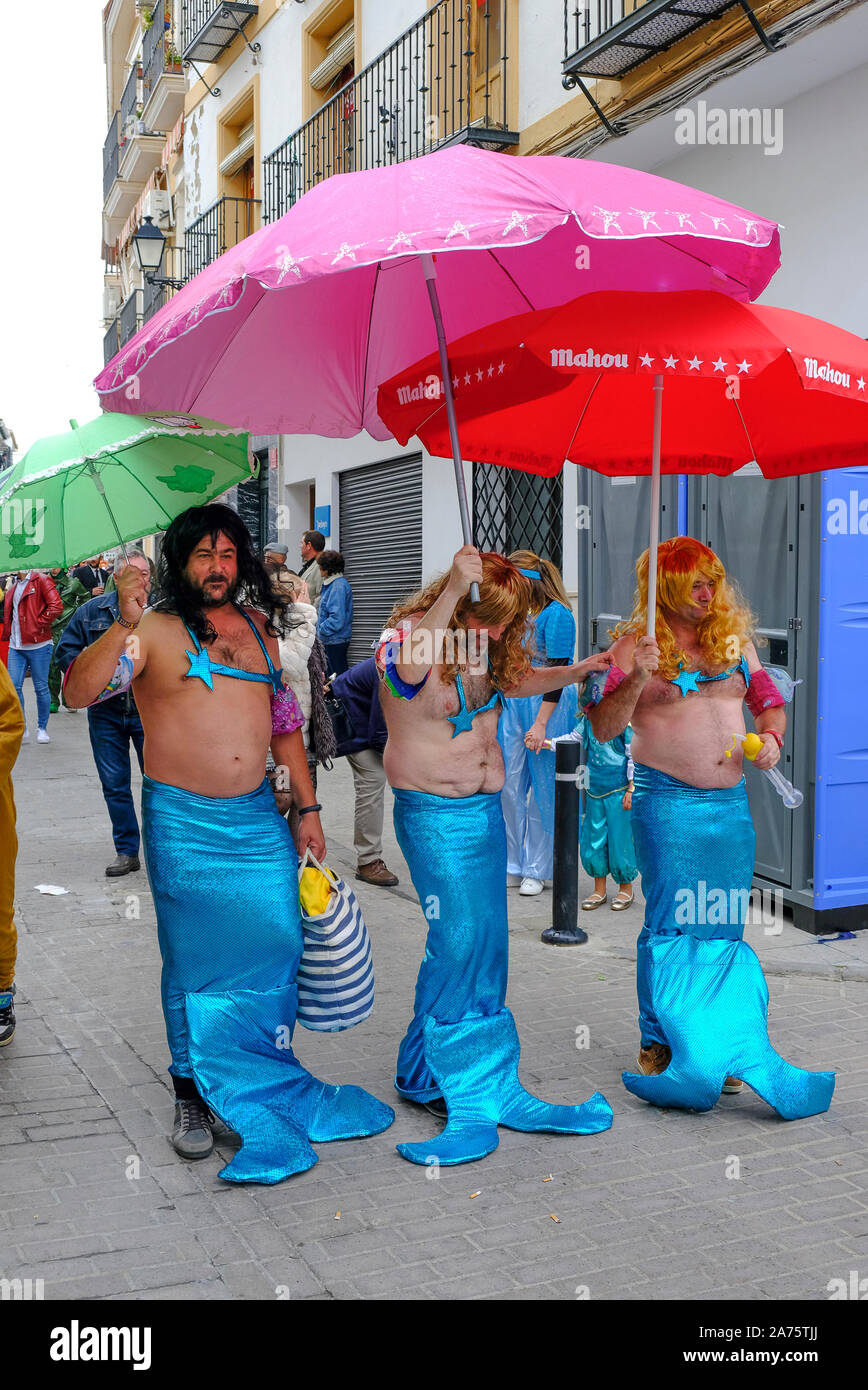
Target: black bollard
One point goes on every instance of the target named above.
(565, 929)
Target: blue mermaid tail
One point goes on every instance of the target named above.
(475, 1063)
(462, 1042)
(223, 875)
(711, 999)
(701, 988)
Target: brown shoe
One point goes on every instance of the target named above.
(376, 873)
(732, 1086)
(653, 1059)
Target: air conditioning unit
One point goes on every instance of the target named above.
(157, 204)
(112, 298)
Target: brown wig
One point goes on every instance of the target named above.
(504, 597)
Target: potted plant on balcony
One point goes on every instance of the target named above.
(173, 58)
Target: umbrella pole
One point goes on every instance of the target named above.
(654, 538)
(431, 283)
(100, 487)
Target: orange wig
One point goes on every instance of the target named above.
(726, 627)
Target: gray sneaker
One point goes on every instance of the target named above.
(192, 1136)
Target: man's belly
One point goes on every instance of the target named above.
(445, 766)
(690, 743)
(214, 749)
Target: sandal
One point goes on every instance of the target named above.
(619, 903)
(595, 900)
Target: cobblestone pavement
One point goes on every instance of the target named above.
(731, 1204)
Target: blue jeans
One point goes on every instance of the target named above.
(39, 661)
(112, 726)
(336, 657)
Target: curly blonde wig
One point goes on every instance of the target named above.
(504, 597)
(726, 627)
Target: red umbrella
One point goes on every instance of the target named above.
(585, 382)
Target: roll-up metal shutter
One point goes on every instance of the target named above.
(381, 542)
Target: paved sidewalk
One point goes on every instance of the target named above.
(732, 1204)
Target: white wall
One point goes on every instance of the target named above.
(383, 21)
(539, 56)
(817, 187)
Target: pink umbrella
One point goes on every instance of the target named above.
(355, 259)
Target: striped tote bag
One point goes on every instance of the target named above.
(335, 978)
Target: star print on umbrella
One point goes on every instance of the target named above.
(200, 666)
(187, 477)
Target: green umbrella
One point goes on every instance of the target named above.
(114, 480)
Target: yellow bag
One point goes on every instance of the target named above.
(314, 891)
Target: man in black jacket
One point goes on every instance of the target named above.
(358, 690)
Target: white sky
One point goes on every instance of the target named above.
(52, 128)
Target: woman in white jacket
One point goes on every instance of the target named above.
(303, 660)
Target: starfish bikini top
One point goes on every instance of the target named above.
(691, 680)
(463, 720)
(204, 669)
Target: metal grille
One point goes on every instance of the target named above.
(155, 296)
(518, 511)
(380, 531)
(110, 157)
(220, 227)
(592, 49)
(130, 317)
(130, 100)
(111, 343)
(443, 80)
(209, 26)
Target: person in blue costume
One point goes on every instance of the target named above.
(702, 994)
(606, 839)
(446, 665)
(222, 865)
(528, 796)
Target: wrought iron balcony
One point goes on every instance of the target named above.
(443, 81)
(154, 296)
(111, 343)
(131, 101)
(130, 317)
(608, 38)
(220, 227)
(110, 157)
(160, 58)
(207, 28)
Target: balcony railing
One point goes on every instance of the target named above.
(208, 27)
(130, 317)
(608, 38)
(110, 157)
(158, 50)
(444, 80)
(111, 343)
(221, 226)
(131, 101)
(155, 296)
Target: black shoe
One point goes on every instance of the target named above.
(124, 864)
(192, 1136)
(7, 1016)
(437, 1106)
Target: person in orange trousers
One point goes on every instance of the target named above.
(11, 733)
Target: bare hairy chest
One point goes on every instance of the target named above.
(660, 694)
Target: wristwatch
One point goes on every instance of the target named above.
(303, 810)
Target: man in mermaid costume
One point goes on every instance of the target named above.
(442, 702)
(220, 857)
(703, 998)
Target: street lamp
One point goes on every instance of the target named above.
(150, 247)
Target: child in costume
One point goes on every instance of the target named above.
(606, 839)
(528, 796)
